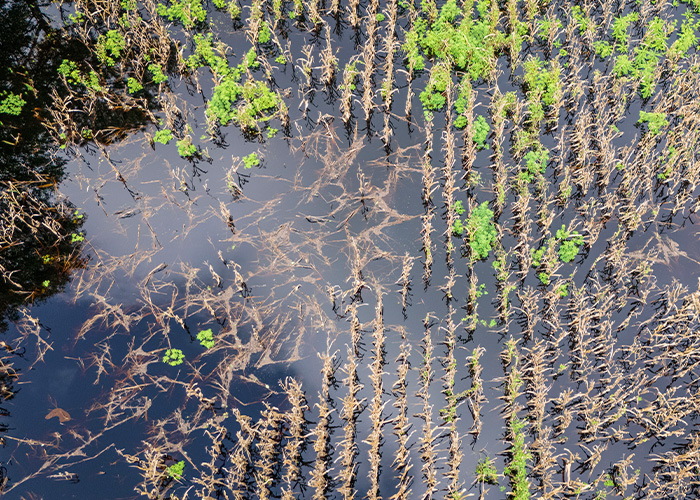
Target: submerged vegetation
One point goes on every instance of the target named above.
(535, 163)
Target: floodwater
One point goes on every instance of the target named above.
(311, 266)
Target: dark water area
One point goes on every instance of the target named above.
(311, 267)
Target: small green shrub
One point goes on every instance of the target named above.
(623, 65)
(569, 244)
(173, 357)
(655, 121)
(657, 35)
(517, 468)
(188, 12)
(251, 59)
(433, 97)
(69, 69)
(133, 85)
(264, 33)
(206, 338)
(157, 72)
(163, 136)
(535, 163)
(481, 231)
(11, 104)
(686, 40)
(175, 471)
(486, 471)
(541, 82)
(603, 49)
(620, 26)
(537, 256)
(109, 47)
(481, 132)
(251, 160)
(185, 147)
(581, 19)
(568, 251)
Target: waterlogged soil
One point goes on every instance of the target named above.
(363, 346)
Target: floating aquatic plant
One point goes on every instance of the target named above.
(173, 357)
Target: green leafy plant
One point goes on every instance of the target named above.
(175, 471)
(686, 40)
(620, 26)
(251, 160)
(188, 12)
(11, 103)
(569, 244)
(655, 121)
(157, 73)
(657, 34)
(206, 338)
(481, 231)
(581, 19)
(173, 357)
(433, 97)
(481, 132)
(486, 471)
(133, 85)
(454, 40)
(517, 468)
(535, 163)
(163, 136)
(264, 33)
(542, 81)
(185, 147)
(537, 256)
(110, 46)
(69, 70)
(500, 265)
(623, 65)
(251, 59)
(603, 49)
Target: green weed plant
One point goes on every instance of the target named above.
(175, 471)
(173, 357)
(206, 338)
(481, 231)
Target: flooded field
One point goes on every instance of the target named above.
(350, 249)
